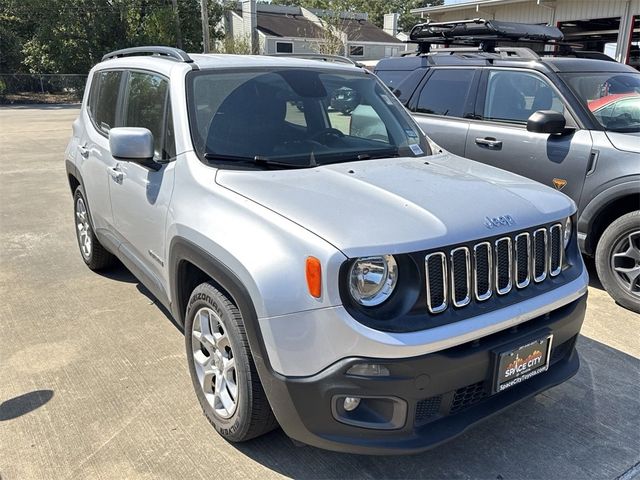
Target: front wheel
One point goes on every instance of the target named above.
(222, 369)
(618, 260)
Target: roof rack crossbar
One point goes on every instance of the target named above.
(317, 56)
(169, 52)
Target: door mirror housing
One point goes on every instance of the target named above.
(132, 144)
(547, 121)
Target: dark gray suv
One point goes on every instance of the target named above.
(566, 121)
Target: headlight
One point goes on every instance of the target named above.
(566, 228)
(373, 279)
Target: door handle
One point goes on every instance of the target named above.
(84, 152)
(489, 142)
(116, 174)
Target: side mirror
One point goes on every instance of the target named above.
(132, 144)
(546, 121)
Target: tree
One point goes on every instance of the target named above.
(70, 36)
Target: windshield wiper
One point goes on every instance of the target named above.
(258, 160)
(371, 155)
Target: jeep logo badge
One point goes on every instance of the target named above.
(502, 221)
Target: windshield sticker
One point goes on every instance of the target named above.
(416, 149)
(386, 99)
(410, 133)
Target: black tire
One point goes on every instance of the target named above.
(96, 257)
(252, 416)
(616, 238)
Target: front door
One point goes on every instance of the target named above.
(140, 196)
(500, 138)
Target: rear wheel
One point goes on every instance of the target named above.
(222, 369)
(618, 260)
(93, 253)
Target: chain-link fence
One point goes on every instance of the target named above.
(41, 88)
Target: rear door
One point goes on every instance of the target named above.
(499, 136)
(139, 195)
(443, 104)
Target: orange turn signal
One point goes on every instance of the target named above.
(314, 277)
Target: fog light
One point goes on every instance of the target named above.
(368, 370)
(351, 403)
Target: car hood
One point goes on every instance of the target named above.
(400, 205)
(627, 142)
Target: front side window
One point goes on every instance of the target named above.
(146, 104)
(105, 103)
(297, 118)
(613, 98)
(446, 93)
(513, 96)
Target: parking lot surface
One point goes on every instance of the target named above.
(94, 381)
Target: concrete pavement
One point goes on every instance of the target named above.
(94, 381)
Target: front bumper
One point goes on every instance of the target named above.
(442, 393)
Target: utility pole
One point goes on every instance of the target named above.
(177, 19)
(204, 4)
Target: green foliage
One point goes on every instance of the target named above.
(70, 36)
(239, 45)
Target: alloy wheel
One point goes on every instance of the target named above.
(84, 228)
(214, 362)
(625, 262)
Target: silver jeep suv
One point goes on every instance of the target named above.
(347, 284)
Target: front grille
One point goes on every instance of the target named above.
(478, 271)
(428, 408)
(467, 396)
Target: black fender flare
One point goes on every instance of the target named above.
(624, 187)
(181, 250)
(276, 390)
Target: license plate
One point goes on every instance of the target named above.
(519, 364)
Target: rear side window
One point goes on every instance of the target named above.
(104, 99)
(392, 78)
(146, 107)
(446, 93)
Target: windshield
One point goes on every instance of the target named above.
(613, 98)
(297, 118)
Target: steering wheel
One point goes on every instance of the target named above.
(324, 132)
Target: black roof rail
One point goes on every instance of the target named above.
(169, 52)
(317, 56)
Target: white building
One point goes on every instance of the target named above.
(281, 29)
(609, 26)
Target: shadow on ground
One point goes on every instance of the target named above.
(120, 273)
(21, 405)
(594, 281)
(584, 428)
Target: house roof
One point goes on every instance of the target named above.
(279, 25)
(365, 31)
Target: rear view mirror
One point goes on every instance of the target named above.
(132, 144)
(546, 121)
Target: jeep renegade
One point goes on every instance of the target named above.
(359, 290)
